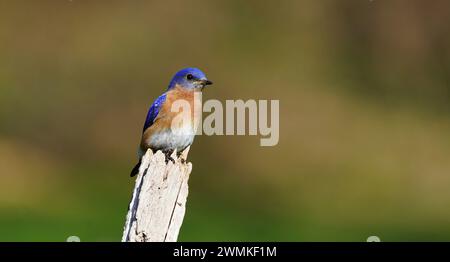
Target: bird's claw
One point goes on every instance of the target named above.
(169, 157)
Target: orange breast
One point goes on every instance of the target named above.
(163, 122)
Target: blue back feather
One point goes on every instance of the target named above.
(153, 111)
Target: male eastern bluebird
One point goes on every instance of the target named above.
(158, 133)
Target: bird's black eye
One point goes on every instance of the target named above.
(189, 77)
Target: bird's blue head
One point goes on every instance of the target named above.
(190, 78)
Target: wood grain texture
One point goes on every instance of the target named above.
(158, 204)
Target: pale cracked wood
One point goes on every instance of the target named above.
(158, 204)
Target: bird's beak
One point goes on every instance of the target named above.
(206, 82)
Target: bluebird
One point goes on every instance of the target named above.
(158, 133)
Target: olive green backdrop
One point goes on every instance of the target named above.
(364, 90)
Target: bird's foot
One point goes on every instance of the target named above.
(169, 157)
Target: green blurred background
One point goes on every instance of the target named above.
(364, 90)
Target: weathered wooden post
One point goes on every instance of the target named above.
(158, 204)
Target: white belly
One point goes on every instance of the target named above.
(178, 139)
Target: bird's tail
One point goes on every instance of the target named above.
(135, 170)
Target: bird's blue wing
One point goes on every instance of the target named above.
(154, 110)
